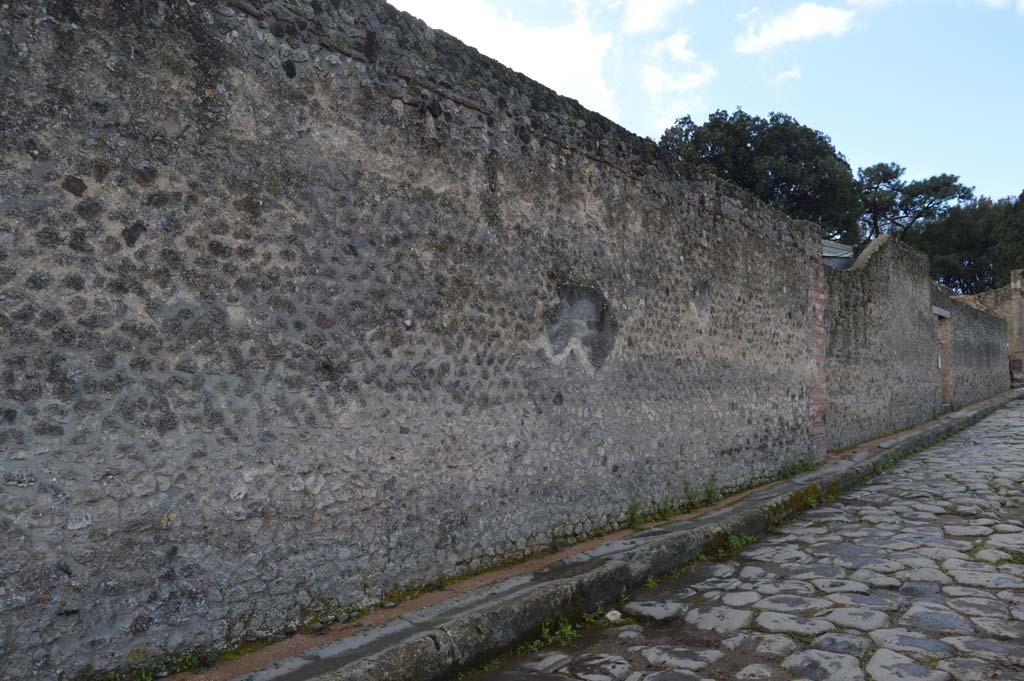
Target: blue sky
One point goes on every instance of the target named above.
(934, 85)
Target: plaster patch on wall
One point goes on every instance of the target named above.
(582, 323)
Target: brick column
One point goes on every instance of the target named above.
(817, 295)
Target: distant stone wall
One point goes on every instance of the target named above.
(886, 364)
(303, 302)
(882, 345)
(1008, 303)
(978, 358)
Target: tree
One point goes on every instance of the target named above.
(787, 165)
(974, 246)
(897, 207)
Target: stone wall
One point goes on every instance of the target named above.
(1008, 303)
(977, 358)
(886, 364)
(303, 302)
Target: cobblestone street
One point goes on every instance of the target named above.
(917, 575)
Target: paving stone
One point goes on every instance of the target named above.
(721, 570)
(930, 508)
(671, 675)
(738, 599)
(913, 561)
(819, 572)
(1010, 596)
(681, 658)
(942, 554)
(719, 619)
(718, 584)
(999, 628)
(912, 643)
(685, 594)
(858, 618)
(981, 607)
(834, 586)
(876, 579)
(779, 622)
(655, 610)
(1012, 569)
(960, 564)
(988, 580)
(599, 667)
(970, 669)
(754, 671)
(771, 645)
(792, 603)
(992, 555)
(770, 587)
(922, 592)
(821, 665)
(887, 665)
(845, 644)
(934, 617)
(967, 531)
(1010, 542)
(871, 601)
(988, 649)
(924, 575)
(751, 572)
(778, 556)
(954, 591)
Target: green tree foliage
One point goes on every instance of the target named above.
(787, 165)
(897, 207)
(974, 246)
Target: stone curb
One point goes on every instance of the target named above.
(436, 642)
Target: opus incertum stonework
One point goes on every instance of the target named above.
(305, 305)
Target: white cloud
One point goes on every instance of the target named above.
(803, 22)
(657, 82)
(649, 15)
(671, 110)
(566, 58)
(868, 4)
(672, 95)
(676, 45)
(789, 74)
(999, 4)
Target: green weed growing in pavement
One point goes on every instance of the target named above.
(733, 543)
(1016, 557)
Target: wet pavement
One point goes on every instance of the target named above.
(919, 574)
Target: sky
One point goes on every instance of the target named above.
(934, 85)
